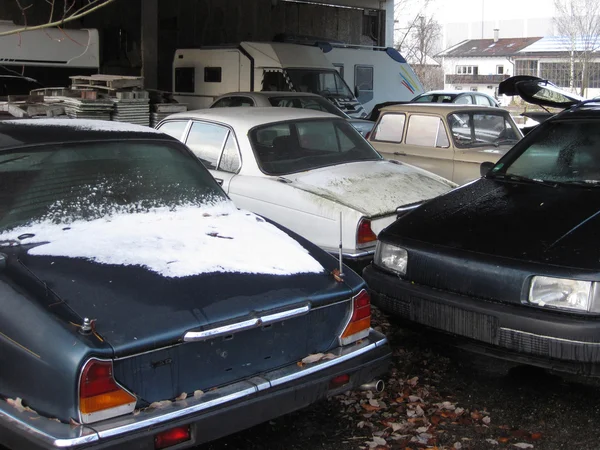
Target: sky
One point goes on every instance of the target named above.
(462, 19)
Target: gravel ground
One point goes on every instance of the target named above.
(441, 398)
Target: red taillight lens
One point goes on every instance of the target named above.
(364, 234)
(360, 322)
(339, 381)
(100, 397)
(172, 437)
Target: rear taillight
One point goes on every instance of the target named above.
(172, 437)
(364, 233)
(100, 397)
(360, 321)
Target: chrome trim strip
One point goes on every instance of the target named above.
(570, 341)
(196, 336)
(353, 255)
(285, 314)
(179, 409)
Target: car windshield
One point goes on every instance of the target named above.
(289, 147)
(327, 83)
(67, 182)
(475, 129)
(561, 152)
(314, 103)
(434, 98)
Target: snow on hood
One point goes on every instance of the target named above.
(372, 187)
(188, 241)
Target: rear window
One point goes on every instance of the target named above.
(91, 180)
(297, 146)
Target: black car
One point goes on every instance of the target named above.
(139, 308)
(509, 263)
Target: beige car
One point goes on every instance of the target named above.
(449, 140)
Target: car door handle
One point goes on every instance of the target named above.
(220, 181)
(399, 153)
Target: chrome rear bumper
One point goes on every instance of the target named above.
(271, 394)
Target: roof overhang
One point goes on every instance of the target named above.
(362, 4)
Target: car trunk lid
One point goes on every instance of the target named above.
(373, 188)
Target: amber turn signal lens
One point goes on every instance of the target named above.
(105, 401)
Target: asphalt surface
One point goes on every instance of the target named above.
(439, 397)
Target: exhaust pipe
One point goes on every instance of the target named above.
(375, 385)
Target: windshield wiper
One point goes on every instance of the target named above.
(586, 183)
(522, 179)
(14, 159)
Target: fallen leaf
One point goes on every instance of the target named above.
(369, 407)
(486, 420)
(198, 393)
(73, 422)
(160, 404)
(182, 396)
(413, 381)
(379, 441)
(522, 445)
(492, 441)
(313, 358)
(504, 440)
(457, 445)
(536, 436)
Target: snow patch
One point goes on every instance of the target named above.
(87, 124)
(187, 241)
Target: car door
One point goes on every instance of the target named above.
(427, 145)
(216, 146)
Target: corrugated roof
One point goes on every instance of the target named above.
(555, 44)
(487, 47)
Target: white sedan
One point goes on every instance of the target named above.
(305, 170)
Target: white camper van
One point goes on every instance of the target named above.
(50, 56)
(380, 74)
(202, 74)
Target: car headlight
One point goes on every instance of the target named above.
(561, 293)
(391, 257)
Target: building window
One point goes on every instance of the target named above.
(185, 79)
(500, 70)
(458, 88)
(474, 89)
(212, 74)
(526, 67)
(467, 70)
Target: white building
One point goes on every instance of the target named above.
(481, 64)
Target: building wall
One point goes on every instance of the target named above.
(485, 66)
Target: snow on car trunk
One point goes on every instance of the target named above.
(372, 187)
(179, 242)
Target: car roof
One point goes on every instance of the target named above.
(16, 133)
(250, 116)
(272, 94)
(439, 108)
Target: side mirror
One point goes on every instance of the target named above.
(485, 167)
(356, 91)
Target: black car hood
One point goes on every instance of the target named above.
(137, 309)
(532, 222)
(538, 91)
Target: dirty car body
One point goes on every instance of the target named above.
(509, 262)
(141, 309)
(448, 140)
(306, 170)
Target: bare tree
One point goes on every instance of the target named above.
(59, 12)
(415, 10)
(422, 42)
(578, 21)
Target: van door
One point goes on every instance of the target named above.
(217, 148)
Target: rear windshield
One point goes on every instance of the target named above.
(86, 181)
(314, 103)
(289, 147)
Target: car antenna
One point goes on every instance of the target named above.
(340, 249)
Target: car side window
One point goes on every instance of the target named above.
(229, 102)
(426, 131)
(225, 102)
(206, 140)
(174, 128)
(390, 128)
(230, 160)
(481, 100)
(464, 100)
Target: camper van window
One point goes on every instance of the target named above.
(390, 128)
(212, 74)
(363, 77)
(274, 81)
(185, 79)
(301, 145)
(206, 141)
(327, 83)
